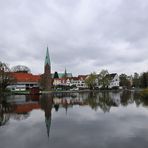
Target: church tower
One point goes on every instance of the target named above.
(65, 73)
(47, 72)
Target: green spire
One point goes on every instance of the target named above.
(47, 58)
(65, 74)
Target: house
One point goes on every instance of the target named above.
(114, 82)
(24, 81)
(82, 79)
(59, 81)
(78, 82)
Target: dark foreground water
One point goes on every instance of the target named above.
(86, 120)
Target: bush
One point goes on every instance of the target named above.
(144, 93)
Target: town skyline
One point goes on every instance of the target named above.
(82, 36)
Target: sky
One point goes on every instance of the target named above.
(83, 36)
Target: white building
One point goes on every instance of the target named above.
(114, 80)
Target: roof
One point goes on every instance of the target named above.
(61, 75)
(112, 75)
(75, 78)
(82, 77)
(26, 77)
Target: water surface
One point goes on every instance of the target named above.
(85, 120)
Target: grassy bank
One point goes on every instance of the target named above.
(144, 93)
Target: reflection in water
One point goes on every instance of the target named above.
(5, 109)
(46, 102)
(19, 107)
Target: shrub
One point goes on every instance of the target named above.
(144, 93)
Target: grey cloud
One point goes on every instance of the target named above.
(83, 36)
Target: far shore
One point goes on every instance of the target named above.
(71, 91)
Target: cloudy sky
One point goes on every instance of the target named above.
(82, 35)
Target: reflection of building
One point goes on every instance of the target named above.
(46, 104)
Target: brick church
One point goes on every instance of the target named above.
(47, 72)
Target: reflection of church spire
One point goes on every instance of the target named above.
(46, 105)
(66, 109)
(48, 124)
(48, 114)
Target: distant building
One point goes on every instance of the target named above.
(78, 82)
(24, 81)
(62, 75)
(47, 72)
(114, 80)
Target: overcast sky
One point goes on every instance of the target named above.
(82, 35)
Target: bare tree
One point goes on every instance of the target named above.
(6, 77)
(20, 68)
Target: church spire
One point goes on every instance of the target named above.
(47, 58)
(65, 73)
(47, 72)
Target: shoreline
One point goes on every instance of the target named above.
(72, 91)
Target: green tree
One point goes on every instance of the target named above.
(56, 75)
(136, 80)
(91, 81)
(6, 77)
(144, 80)
(124, 81)
(104, 79)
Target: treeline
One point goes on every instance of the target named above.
(140, 81)
(6, 78)
(103, 79)
(136, 81)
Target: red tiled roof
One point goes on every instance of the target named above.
(26, 77)
(74, 78)
(82, 77)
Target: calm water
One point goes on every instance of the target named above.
(85, 120)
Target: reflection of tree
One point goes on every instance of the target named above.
(101, 100)
(4, 118)
(137, 98)
(56, 106)
(46, 102)
(140, 100)
(4, 112)
(126, 98)
(91, 100)
(63, 95)
(105, 101)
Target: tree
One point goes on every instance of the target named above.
(6, 77)
(56, 75)
(104, 79)
(20, 68)
(91, 81)
(124, 81)
(136, 80)
(144, 80)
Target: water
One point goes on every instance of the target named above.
(85, 120)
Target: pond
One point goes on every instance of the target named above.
(77, 120)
